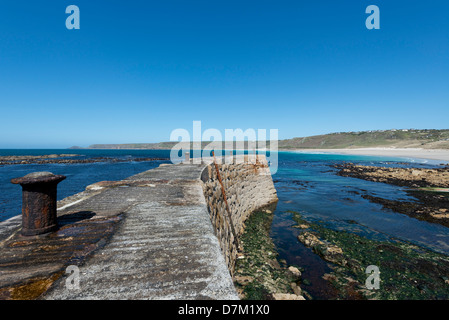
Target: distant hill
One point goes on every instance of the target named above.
(159, 145)
(152, 146)
(404, 138)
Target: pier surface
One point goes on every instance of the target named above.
(145, 237)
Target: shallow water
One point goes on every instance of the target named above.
(309, 185)
(306, 183)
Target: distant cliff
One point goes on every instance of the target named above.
(404, 138)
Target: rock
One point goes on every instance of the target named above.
(243, 279)
(329, 277)
(309, 239)
(294, 271)
(440, 215)
(416, 173)
(296, 289)
(331, 249)
(287, 296)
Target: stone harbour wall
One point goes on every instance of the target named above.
(162, 234)
(248, 186)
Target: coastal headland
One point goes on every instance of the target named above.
(410, 143)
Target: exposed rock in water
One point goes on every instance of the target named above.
(287, 296)
(431, 208)
(407, 271)
(48, 156)
(294, 271)
(62, 159)
(428, 186)
(407, 177)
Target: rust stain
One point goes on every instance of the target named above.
(19, 244)
(69, 245)
(226, 202)
(31, 290)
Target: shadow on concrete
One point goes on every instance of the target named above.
(75, 217)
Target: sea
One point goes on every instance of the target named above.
(305, 182)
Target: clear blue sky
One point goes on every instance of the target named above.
(136, 70)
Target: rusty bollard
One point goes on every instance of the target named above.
(38, 202)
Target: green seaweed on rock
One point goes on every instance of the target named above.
(258, 274)
(407, 271)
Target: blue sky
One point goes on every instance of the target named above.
(136, 70)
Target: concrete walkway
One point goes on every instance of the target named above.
(146, 237)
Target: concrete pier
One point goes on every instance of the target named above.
(149, 236)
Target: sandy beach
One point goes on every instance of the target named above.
(431, 154)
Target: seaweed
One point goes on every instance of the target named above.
(407, 271)
(258, 274)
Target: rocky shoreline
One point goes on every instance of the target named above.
(407, 272)
(406, 177)
(430, 187)
(62, 159)
(47, 156)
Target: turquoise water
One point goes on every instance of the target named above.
(305, 183)
(308, 184)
